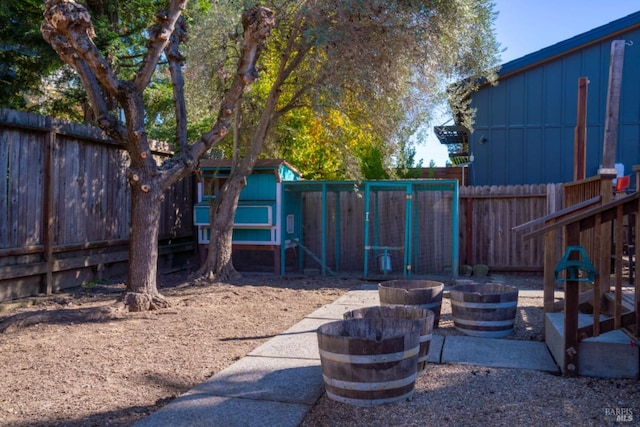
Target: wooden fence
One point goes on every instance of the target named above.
(64, 205)
(486, 218)
(488, 215)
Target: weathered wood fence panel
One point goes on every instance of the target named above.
(344, 245)
(89, 178)
(65, 206)
(487, 216)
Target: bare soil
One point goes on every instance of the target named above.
(116, 368)
(98, 365)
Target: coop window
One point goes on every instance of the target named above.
(212, 185)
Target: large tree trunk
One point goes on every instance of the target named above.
(69, 30)
(219, 264)
(142, 293)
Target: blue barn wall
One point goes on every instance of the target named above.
(529, 119)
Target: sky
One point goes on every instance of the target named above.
(526, 26)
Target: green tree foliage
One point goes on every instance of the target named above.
(342, 84)
(327, 147)
(380, 66)
(33, 78)
(25, 58)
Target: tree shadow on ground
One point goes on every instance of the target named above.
(66, 316)
(173, 387)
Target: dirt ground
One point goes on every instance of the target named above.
(114, 372)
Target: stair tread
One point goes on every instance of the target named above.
(626, 300)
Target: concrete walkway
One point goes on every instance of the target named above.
(280, 381)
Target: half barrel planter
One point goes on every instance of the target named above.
(484, 310)
(409, 312)
(369, 362)
(426, 294)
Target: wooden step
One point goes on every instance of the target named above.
(626, 300)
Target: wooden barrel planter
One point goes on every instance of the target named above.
(368, 362)
(424, 316)
(425, 294)
(484, 310)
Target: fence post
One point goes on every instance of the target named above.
(549, 245)
(47, 205)
(468, 237)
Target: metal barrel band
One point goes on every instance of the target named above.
(369, 359)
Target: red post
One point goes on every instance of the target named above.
(580, 135)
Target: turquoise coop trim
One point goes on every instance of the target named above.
(405, 227)
(384, 228)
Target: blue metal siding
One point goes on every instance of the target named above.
(594, 147)
(498, 142)
(571, 73)
(499, 106)
(552, 94)
(629, 146)
(533, 98)
(630, 96)
(598, 69)
(532, 156)
(483, 113)
(516, 109)
(514, 157)
(552, 153)
(529, 118)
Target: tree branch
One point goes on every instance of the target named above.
(257, 22)
(159, 36)
(72, 22)
(67, 52)
(105, 120)
(294, 101)
(176, 60)
(291, 59)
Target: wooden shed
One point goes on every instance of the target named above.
(259, 220)
(524, 128)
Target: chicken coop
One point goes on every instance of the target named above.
(259, 221)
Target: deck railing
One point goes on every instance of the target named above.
(601, 217)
